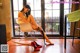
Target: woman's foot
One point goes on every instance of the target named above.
(49, 43)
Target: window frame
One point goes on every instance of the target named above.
(43, 17)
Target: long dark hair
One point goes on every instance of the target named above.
(29, 12)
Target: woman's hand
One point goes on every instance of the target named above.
(40, 29)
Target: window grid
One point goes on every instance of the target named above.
(39, 18)
(67, 10)
(51, 19)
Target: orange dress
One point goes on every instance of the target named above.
(23, 19)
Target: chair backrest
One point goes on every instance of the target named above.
(24, 27)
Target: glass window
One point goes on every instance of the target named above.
(52, 27)
(32, 12)
(15, 14)
(66, 6)
(48, 14)
(48, 1)
(56, 6)
(31, 3)
(35, 10)
(67, 10)
(56, 0)
(37, 4)
(20, 4)
(15, 4)
(48, 27)
(37, 13)
(52, 15)
(48, 6)
(56, 13)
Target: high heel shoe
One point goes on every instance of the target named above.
(38, 45)
(35, 46)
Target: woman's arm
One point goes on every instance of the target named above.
(34, 24)
(21, 18)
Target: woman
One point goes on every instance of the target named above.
(25, 16)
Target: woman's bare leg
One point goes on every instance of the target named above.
(45, 36)
(47, 39)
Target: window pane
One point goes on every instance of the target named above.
(15, 4)
(37, 16)
(56, 6)
(56, 13)
(56, 19)
(56, 27)
(66, 11)
(55, 1)
(32, 13)
(36, 9)
(48, 1)
(31, 3)
(48, 14)
(37, 13)
(37, 4)
(48, 27)
(48, 6)
(52, 27)
(15, 14)
(20, 4)
(66, 6)
(38, 20)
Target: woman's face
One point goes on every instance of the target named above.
(26, 10)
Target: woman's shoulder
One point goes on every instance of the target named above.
(20, 12)
(30, 15)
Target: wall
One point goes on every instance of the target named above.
(5, 17)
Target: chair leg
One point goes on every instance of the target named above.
(43, 37)
(19, 30)
(79, 34)
(73, 33)
(19, 34)
(25, 34)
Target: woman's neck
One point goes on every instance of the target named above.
(23, 12)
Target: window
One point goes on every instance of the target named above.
(67, 10)
(52, 15)
(35, 10)
(17, 6)
(51, 11)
